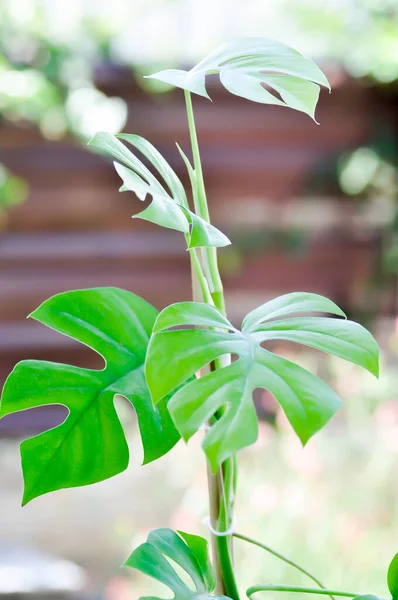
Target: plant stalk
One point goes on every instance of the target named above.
(297, 589)
(214, 508)
(209, 255)
(221, 485)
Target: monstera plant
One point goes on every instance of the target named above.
(175, 366)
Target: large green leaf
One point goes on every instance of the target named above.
(169, 207)
(392, 577)
(188, 551)
(246, 65)
(174, 355)
(89, 445)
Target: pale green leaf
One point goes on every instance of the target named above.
(307, 402)
(191, 313)
(174, 355)
(163, 210)
(342, 338)
(246, 65)
(203, 234)
(159, 163)
(169, 206)
(288, 304)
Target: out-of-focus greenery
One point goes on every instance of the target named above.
(49, 50)
(47, 64)
(13, 190)
(369, 176)
(360, 34)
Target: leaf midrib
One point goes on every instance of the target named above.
(85, 326)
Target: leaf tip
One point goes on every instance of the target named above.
(304, 438)
(376, 370)
(373, 365)
(212, 458)
(94, 139)
(27, 496)
(35, 313)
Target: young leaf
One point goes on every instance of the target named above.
(89, 445)
(246, 65)
(392, 577)
(188, 551)
(169, 207)
(307, 401)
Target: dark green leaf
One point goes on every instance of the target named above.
(188, 551)
(174, 356)
(169, 207)
(89, 445)
(246, 65)
(392, 577)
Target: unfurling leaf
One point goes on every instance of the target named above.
(190, 552)
(246, 65)
(89, 445)
(169, 207)
(307, 401)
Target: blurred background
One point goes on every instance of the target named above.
(308, 207)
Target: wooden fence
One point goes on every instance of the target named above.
(266, 168)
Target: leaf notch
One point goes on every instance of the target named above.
(248, 66)
(169, 206)
(175, 354)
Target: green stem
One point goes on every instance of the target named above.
(297, 589)
(281, 557)
(214, 505)
(221, 544)
(209, 255)
(221, 484)
(225, 520)
(200, 277)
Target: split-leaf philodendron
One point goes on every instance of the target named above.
(175, 366)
